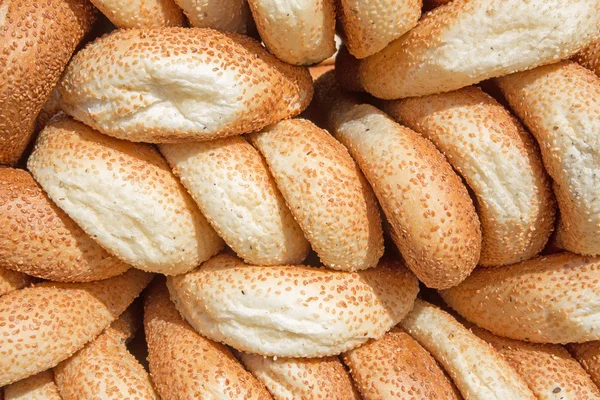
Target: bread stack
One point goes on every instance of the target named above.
(420, 222)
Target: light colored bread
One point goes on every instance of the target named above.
(13, 280)
(223, 15)
(590, 57)
(297, 32)
(45, 324)
(551, 299)
(588, 355)
(560, 104)
(477, 369)
(326, 193)
(397, 367)
(293, 311)
(433, 220)
(39, 239)
(141, 13)
(124, 196)
(468, 41)
(549, 370)
(195, 84)
(231, 183)
(369, 25)
(302, 378)
(105, 369)
(185, 365)
(498, 159)
(36, 387)
(37, 39)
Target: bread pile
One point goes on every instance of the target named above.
(196, 204)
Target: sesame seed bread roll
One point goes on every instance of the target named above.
(46, 324)
(326, 193)
(141, 13)
(104, 368)
(37, 39)
(432, 218)
(36, 387)
(223, 15)
(560, 104)
(39, 239)
(370, 25)
(292, 311)
(195, 84)
(185, 365)
(124, 196)
(297, 32)
(477, 369)
(397, 367)
(588, 355)
(468, 41)
(231, 183)
(13, 280)
(552, 299)
(498, 159)
(302, 378)
(590, 57)
(549, 370)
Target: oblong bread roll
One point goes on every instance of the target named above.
(141, 13)
(297, 32)
(552, 299)
(549, 370)
(36, 387)
(466, 42)
(39, 239)
(498, 159)
(397, 367)
(477, 369)
(589, 57)
(293, 311)
(223, 15)
(13, 280)
(185, 365)
(432, 218)
(105, 369)
(231, 183)
(369, 26)
(560, 104)
(588, 355)
(124, 196)
(45, 324)
(325, 192)
(37, 40)
(302, 378)
(195, 84)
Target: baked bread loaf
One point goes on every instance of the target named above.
(13, 280)
(36, 387)
(588, 355)
(141, 13)
(223, 15)
(590, 57)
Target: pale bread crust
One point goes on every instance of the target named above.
(37, 387)
(141, 13)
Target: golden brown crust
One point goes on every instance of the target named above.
(141, 13)
(13, 280)
(37, 39)
(36, 387)
(588, 355)
(590, 57)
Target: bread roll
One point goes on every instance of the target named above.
(141, 13)
(302, 378)
(432, 218)
(105, 369)
(590, 57)
(326, 193)
(231, 183)
(468, 41)
(560, 104)
(479, 371)
(124, 196)
(37, 39)
(297, 32)
(36, 387)
(588, 355)
(397, 367)
(552, 299)
(549, 370)
(498, 159)
(39, 239)
(12, 280)
(224, 15)
(45, 324)
(195, 84)
(370, 25)
(185, 365)
(293, 311)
